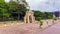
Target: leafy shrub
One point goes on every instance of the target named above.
(55, 18)
(41, 23)
(49, 17)
(38, 18)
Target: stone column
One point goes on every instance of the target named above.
(28, 20)
(33, 19)
(24, 19)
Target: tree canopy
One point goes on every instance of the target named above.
(42, 15)
(12, 8)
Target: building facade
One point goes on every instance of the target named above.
(56, 14)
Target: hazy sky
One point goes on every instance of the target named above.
(44, 5)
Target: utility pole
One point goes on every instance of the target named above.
(53, 10)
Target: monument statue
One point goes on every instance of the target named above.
(29, 17)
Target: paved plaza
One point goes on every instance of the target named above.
(32, 28)
(54, 29)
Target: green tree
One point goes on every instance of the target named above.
(23, 2)
(2, 1)
(42, 15)
(3, 10)
(49, 15)
(38, 15)
(15, 7)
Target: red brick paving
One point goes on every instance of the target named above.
(55, 29)
(20, 29)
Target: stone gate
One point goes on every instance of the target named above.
(29, 17)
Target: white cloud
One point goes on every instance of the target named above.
(44, 5)
(7, 0)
